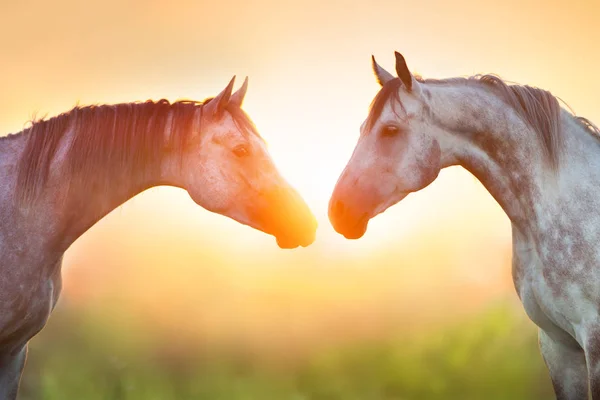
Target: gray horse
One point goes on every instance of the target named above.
(62, 175)
(542, 165)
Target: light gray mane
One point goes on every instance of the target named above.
(537, 107)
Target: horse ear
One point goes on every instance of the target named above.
(381, 74)
(219, 103)
(237, 99)
(403, 72)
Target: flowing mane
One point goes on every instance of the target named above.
(110, 140)
(537, 107)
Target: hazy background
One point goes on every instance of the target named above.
(163, 299)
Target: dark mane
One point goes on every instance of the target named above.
(390, 90)
(537, 107)
(108, 141)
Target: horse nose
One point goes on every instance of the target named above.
(349, 220)
(337, 209)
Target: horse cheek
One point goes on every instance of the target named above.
(432, 164)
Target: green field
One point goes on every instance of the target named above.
(490, 355)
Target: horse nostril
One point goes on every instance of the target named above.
(338, 208)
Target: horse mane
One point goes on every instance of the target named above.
(109, 141)
(390, 90)
(538, 108)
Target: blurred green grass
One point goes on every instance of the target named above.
(91, 355)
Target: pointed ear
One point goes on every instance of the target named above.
(237, 99)
(403, 72)
(218, 104)
(381, 74)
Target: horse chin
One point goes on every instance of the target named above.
(287, 243)
(298, 239)
(357, 232)
(356, 229)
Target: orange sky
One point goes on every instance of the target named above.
(310, 86)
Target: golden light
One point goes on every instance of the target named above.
(310, 87)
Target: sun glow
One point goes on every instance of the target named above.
(310, 84)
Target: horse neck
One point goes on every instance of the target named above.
(486, 136)
(68, 207)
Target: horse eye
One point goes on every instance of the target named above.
(241, 151)
(389, 130)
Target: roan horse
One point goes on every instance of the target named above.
(62, 175)
(540, 163)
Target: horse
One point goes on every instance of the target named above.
(62, 175)
(540, 162)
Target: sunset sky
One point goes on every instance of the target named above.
(310, 87)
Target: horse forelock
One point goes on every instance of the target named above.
(389, 92)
